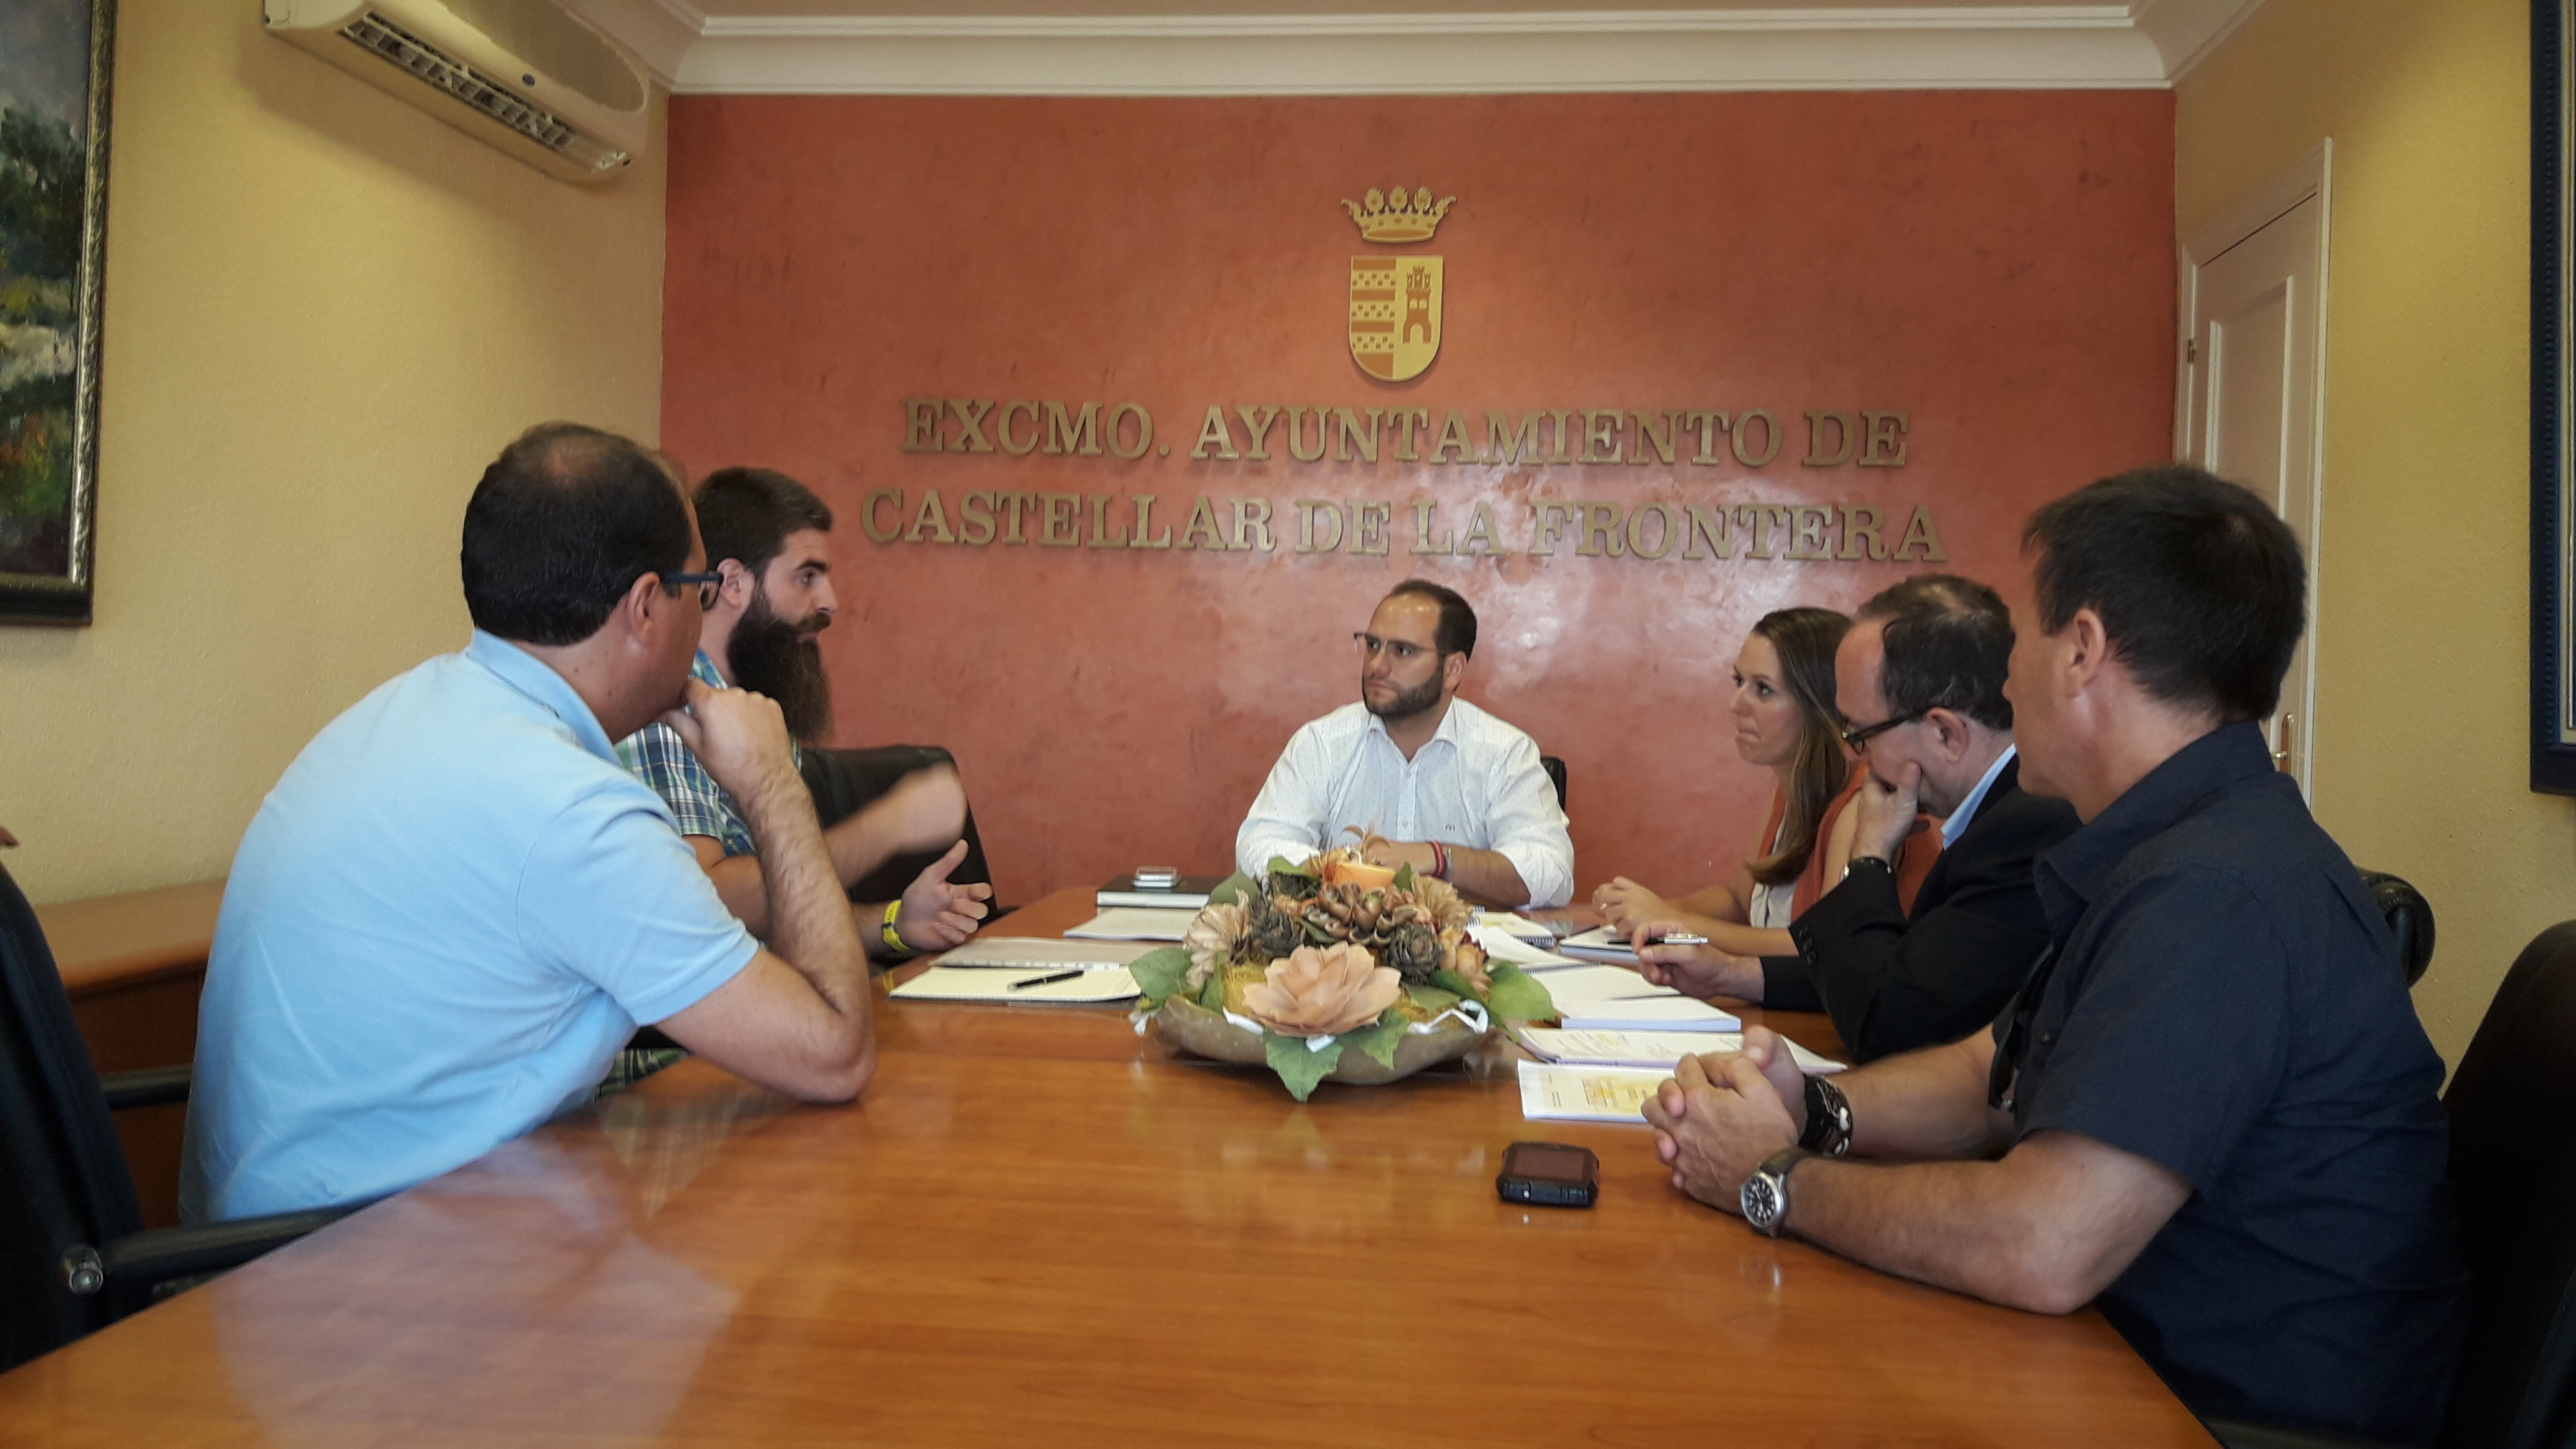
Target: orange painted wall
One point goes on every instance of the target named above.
(1998, 266)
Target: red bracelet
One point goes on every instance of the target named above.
(1439, 860)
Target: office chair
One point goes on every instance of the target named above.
(845, 781)
(2513, 1175)
(2410, 920)
(1555, 776)
(74, 1254)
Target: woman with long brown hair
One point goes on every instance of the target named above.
(1783, 708)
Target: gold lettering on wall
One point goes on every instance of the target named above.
(1654, 530)
(1846, 433)
(1884, 450)
(1668, 531)
(868, 514)
(1061, 428)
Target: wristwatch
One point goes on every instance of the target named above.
(1765, 1196)
(1829, 1119)
(1857, 861)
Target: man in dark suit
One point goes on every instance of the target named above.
(1920, 677)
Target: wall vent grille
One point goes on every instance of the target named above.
(400, 47)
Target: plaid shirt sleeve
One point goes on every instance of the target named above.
(699, 806)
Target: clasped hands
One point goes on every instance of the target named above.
(1722, 1115)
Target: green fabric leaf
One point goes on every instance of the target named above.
(1379, 1040)
(1281, 865)
(1518, 996)
(1430, 998)
(1316, 933)
(1298, 1068)
(1158, 973)
(1404, 876)
(1451, 981)
(1234, 890)
(1212, 995)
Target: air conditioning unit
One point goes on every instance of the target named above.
(521, 74)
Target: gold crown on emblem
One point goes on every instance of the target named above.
(1399, 217)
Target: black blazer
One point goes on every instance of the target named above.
(1893, 982)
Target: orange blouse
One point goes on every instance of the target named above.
(1913, 863)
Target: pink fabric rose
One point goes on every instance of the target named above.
(1323, 992)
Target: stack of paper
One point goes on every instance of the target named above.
(1657, 1049)
(973, 983)
(1612, 998)
(1043, 953)
(1504, 946)
(1133, 923)
(1552, 1093)
(1183, 892)
(1513, 923)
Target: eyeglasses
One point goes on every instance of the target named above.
(708, 586)
(1403, 651)
(1854, 739)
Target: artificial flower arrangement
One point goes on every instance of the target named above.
(1328, 957)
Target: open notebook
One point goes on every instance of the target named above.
(1041, 952)
(980, 983)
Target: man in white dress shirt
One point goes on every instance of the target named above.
(1455, 792)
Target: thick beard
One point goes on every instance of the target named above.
(1410, 703)
(781, 659)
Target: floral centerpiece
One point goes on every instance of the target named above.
(1330, 956)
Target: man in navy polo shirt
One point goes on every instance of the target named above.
(455, 907)
(2211, 1108)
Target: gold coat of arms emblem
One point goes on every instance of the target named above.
(1395, 300)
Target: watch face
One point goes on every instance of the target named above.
(1760, 1200)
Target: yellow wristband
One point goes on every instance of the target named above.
(893, 939)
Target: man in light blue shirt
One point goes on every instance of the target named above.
(455, 907)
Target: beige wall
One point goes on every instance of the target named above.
(2422, 630)
(326, 311)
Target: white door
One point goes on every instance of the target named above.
(2252, 389)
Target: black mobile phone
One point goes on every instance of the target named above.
(1549, 1174)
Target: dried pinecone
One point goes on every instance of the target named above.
(1272, 927)
(1413, 950)
(1298, 887)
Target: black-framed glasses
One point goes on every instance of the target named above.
(1403, 650)
(1854, 739)
(709, 585)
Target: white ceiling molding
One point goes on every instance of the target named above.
(1922, 47)
(2186, 31)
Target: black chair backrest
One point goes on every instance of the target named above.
(844, 781)
(63, 1181)
(1555, 776)
(2513, 1174)
(2410, 920)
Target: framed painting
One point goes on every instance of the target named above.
(54, 62)
(2553, 470)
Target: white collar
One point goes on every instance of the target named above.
(1448, 730)
(1957, 824)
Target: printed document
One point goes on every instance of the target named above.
(1552, 1093)
(1133, 923)
(1658, 1049)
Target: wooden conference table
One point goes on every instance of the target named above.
(1039, 1228)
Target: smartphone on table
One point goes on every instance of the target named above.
(1549, 1174)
